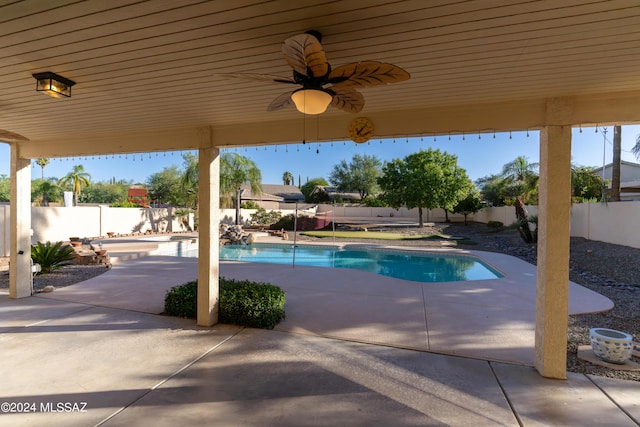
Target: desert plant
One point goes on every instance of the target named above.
(51, 256)
(242, 302)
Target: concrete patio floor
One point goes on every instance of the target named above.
(366, 355)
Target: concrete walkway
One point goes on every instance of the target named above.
(96, 353)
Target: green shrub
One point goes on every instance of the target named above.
(51, 256)
(124, 204)
(494, 224)
(258, 305)
(304, 223)
(242, 302)
(263, 218)
(181, 301)
(250, 204)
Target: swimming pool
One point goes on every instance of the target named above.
(406, 265)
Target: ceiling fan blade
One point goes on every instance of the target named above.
(346, 99)
(367, 73)
(5, 135)
(282, 101)
(258, 77)
(305, 55)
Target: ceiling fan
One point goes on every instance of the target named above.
(321, 85)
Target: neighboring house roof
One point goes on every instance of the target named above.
(629, 171)
(273, 192)
(333, 192)
(287, 192)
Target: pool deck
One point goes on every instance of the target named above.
(345, 354)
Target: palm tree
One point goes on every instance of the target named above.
(42, 162)
(189, 178)
(46, 189)
(189, 181)
(287, 178)
(78, 178)
(523, 180)
(636, 148)
(236, 170)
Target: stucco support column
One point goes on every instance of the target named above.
(208, 235)
(554, 222)
(20, 225)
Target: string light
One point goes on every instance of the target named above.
(510, 135)
(463, 136)
(580, 128)
(494, 134)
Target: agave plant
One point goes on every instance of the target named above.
(51, 256)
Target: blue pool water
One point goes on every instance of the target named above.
(419, 267)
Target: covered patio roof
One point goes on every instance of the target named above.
(148, 73)
(150, 76)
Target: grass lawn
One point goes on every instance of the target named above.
(379, 235)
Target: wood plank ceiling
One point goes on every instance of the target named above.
(155, 64)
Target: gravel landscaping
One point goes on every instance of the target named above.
(611, 270)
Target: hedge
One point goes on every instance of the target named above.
(242, 302)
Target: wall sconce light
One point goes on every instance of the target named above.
(53, 84)
(311, 101)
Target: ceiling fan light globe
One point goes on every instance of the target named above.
(311, 101)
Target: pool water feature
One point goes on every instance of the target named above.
(406, 265)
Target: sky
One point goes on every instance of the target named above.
(480, 155)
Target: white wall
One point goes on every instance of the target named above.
(343, 213)
(60, 223)
(504, 214)
(614, 222)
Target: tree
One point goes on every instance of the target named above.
(287, 178)
(427, 179)
(78, 178)
(585, 184)
(493, 189)
(468, 205)
(101, 192)
(189, 179)
(166, 187)
(42, 162)
(236, 170)
(310, 185)
(5, 188)
(636, 148)
(44, 191)
(522, 178)
(359, 175)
